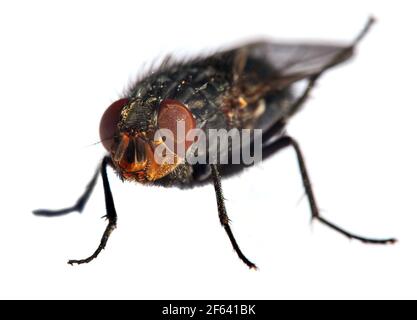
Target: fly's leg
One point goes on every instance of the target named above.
(224, 219)
(111, 215)
(79, 205)
(287, 141)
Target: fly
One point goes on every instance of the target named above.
(248, 87)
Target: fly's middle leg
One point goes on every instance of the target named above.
(287, 141)
(224, 219)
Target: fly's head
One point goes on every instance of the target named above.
(142, 136)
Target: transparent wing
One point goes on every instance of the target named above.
(286, 63)
(292, 59)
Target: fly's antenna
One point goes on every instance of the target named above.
(365, 30)
(97, 143)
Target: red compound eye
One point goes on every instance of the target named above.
(170, 114)
(108, 124)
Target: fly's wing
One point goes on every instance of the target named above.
(285, 63)
(298, 61)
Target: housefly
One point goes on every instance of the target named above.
(247, 87)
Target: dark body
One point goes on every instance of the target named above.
(249, 87)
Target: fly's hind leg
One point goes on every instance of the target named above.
(287, 141)
(111, 215)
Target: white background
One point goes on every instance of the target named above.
(63, 63)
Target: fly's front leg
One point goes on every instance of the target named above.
(224, 219)
(78, 206)
(287, 141)
(111, 215)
